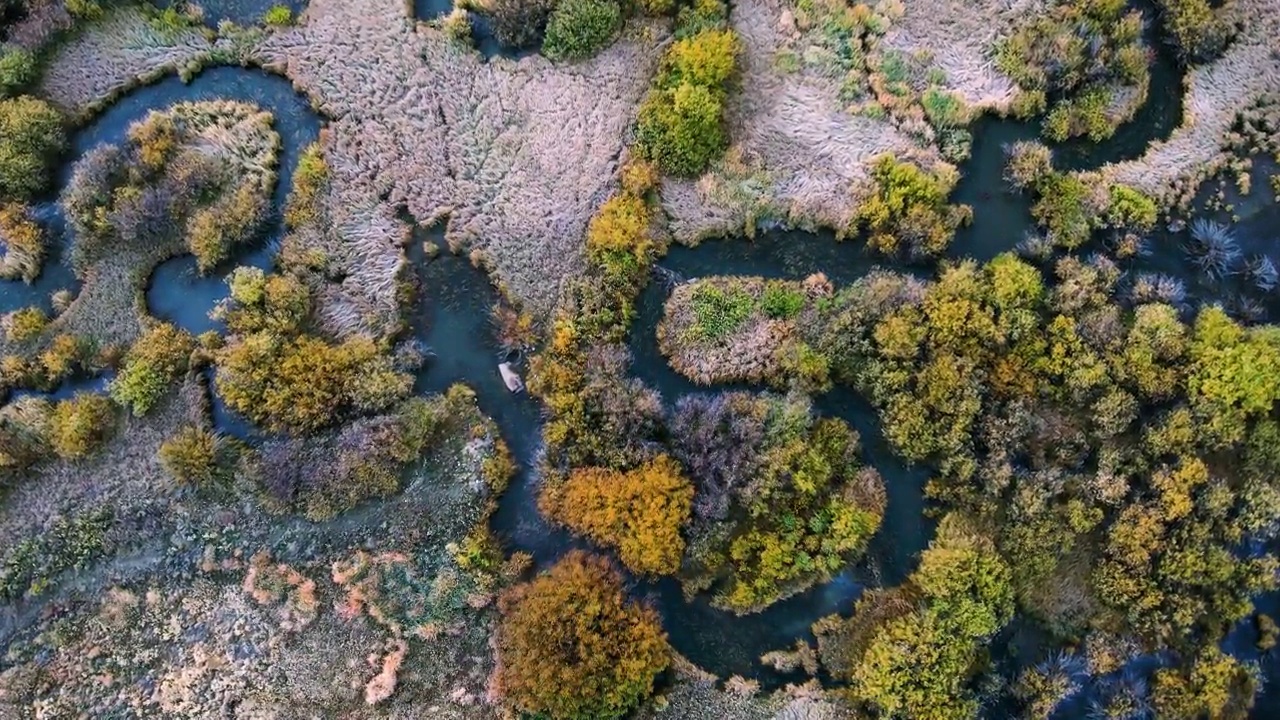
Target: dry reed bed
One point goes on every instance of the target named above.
(516, 155)
(1215, 94)
(960, 35)
(792, 129)
(116, 54)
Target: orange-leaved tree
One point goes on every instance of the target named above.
(571, 646)
(639, 512)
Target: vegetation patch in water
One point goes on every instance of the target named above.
(22, 242)
(730, 329)
(1085, 62)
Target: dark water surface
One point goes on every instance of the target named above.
(482, 38)
(452, 320)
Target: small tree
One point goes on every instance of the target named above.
(80, 425)
(640, 512)
(154, 362)
(579, 29)
(31, 136)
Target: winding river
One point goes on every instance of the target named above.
(453, 320)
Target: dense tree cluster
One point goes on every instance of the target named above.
(1084, 56)
(276, 370)
(571, 646)
(328, 473)
(911, 652)
(47, 358)
(1027, 399)
(594, 418)
(778, 516)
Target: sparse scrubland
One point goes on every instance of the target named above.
(295, 616)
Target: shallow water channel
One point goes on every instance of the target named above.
(453, 321)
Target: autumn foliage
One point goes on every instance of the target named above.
(572, 647)
(639, 512)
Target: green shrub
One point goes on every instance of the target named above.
(720, 312)
(1199, 32)
(155, 361)
(681, 123)
(681, 129)
(84, 9)
(707, 59)
(81, 425)
(278, 16)
(700, 16)
(578, 29)
(31, 137)
(17, 68)
(1131, 209)
(944, 109)
(909, 211)
(781, 301)
(215, 230)
(1063, 209)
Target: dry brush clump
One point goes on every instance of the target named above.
(22, 244)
